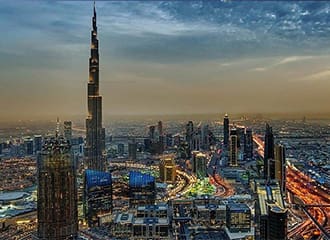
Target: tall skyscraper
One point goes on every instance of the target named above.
(269, 166)
(233, 150)
(189, 134)
(226, 130)
(280, 166)
(57, 191)
(248, 144)
(132, 149)
(68, 130)
(160, 128)
(95, 133)
(37, 143)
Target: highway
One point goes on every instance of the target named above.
(308, 192)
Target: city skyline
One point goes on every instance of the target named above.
(172, 58)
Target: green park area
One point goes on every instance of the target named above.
(201, 187)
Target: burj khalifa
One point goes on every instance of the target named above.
(95, 133)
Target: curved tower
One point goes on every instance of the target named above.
(95, 133)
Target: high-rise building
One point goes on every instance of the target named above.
(97, 196)
(68, 130)
(280, 166)
(205, 137)
(167, 169)
(160, 128)
(28, 146)
(226, 130)
(248, 144)
(152, 135)
(37, 143)
(142, 189)
(121, 149)
(132, 149)
(269, 166)
(270, 210)
(233, 150)
(199, 164)
(189, 134)
(95, 133)
(277, 222)
(57, 191)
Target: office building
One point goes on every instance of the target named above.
(269, 166)
(248, 144)
(280, 166)
(238, 217)
(68, 130)
(28, 146)
(277, 222)
(189, 134)
(226, 130)
(269, 206)
(142, 189)
(97, 196)
(152, 133)
(160, 128)
(233, 151)
(95, 133)
(199, 164)
(167, 169)
(132, 149)
(121, 149)
(37, 143)
(57, 191)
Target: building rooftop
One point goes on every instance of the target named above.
(138, 179)
(97, 178)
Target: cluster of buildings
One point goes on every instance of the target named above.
(147, 218)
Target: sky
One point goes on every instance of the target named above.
(174, 57)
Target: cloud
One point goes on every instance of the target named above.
(322, 75)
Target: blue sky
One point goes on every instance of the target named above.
(166, 57)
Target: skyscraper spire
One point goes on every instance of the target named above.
(95, 133)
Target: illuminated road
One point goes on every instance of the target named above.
(224, 189)
(307, 191)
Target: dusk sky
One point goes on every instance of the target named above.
(165, 57)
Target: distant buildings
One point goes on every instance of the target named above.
(97, 196)
(57, 191)
(167, 169)
(142, 189)
(199, 164)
